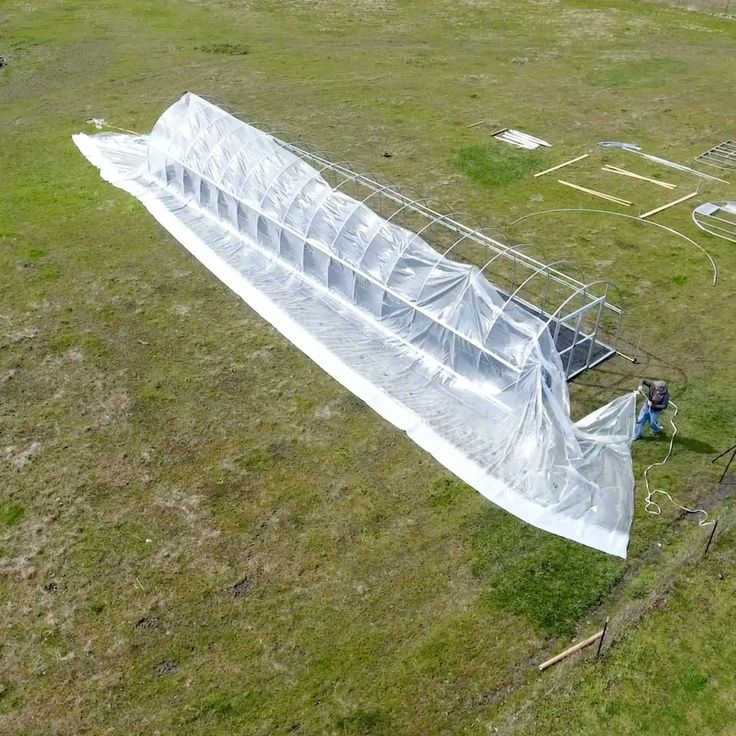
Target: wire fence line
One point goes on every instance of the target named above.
(722, 7)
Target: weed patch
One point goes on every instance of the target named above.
(11, 514)
(361, 721)
(445, 492)
(223, 707)
(225, 49)
(548, 580)
(496, 164)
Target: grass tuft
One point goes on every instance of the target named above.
(361, 721)
(225, 49)
(11, 514)
(219, 706)
(694, 682)
(446, 491)
(496, 164)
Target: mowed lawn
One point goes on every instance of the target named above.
(200, 532)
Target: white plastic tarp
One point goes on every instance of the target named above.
(425, 341)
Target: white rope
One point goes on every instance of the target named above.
(628, 217)
(650, 505)
(100, 123)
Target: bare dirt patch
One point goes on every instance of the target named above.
(242, 588)
(20, 458)
(149, 623)
(166, 667)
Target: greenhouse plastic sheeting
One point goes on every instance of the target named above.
(427, 342)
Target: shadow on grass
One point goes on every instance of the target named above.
(694, 445)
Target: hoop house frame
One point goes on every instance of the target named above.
(359, 277)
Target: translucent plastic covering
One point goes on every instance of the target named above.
(470, 375)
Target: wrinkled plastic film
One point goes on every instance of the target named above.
(429, 343)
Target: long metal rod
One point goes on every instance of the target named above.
(582, 310)
(710, 538)
(721, 219)
(718, 227)
(726, 158)
(732, 450)
(603, 636)
(603, 356)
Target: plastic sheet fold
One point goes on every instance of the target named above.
(429, 343)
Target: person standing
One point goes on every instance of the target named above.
(658, 397)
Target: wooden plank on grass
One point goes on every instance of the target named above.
(571, 650)
(595, 193)
(559, 166)
(623, 172)
(668, 205)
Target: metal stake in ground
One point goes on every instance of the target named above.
(710, 538)
(603, 636)
(732, 450)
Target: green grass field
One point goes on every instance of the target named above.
(200, 532)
